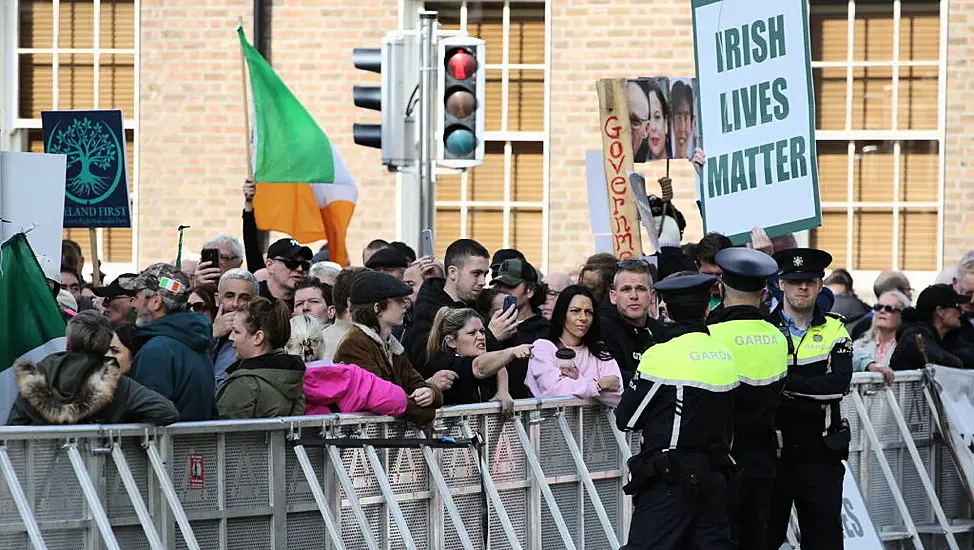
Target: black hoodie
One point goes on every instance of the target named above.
(626, 342)
(431, 298)
(529, 331)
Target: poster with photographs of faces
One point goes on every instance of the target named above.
(662, 118)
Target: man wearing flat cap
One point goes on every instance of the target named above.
(814, 436)
(681, 398)
(761, 354)
(388, 260)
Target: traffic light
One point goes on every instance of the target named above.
(368, 97)
(461, 89)
(395, 136)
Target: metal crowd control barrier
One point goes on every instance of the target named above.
(549, 477)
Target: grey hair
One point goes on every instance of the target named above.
(234, 243)
(239, 274)
(966, 265)
(870, 333)
(89, 332)
(307, 338)
(324, 269)
(170, 304)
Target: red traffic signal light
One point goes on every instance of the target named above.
(461, 63)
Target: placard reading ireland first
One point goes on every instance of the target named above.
(95, 186)
(757, 116)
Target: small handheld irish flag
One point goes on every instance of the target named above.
(303, 186)
(31, 326)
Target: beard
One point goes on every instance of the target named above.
(143, 317)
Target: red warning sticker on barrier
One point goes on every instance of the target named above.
(195, 472)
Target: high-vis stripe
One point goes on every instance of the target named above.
(764, 381)
(828, 397)
(677, 418)
(634, 419)
(692, 383)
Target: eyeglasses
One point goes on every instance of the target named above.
(293, 264)
(887, 308)
(198, 307)
(228, 258)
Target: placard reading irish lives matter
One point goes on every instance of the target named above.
(757, 117)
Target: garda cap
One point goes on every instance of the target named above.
(745, 269)
(686, 289)
(802, 264)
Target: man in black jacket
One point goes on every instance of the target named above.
(628, 329)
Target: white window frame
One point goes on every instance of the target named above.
(18, 126)
(894, 135)
(508, 137)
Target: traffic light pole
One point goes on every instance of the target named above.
(427, 86)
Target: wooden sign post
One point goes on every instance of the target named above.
(617, 156)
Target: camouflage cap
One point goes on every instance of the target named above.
(163, 278)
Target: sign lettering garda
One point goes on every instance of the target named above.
(757, 117)
(96, 182)
(617, 158)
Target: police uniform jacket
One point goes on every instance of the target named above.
(819, 374)
(681, 395)
(761, 354)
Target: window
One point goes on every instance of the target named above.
(879, 82)
(503, 202)
(80, 55)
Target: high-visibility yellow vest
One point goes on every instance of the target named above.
(760, 350)
(695, 359)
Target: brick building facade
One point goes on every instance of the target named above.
(893, 84)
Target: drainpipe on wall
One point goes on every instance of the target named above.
(262, 27)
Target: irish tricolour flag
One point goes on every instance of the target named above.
(290, 151)
(31, 326)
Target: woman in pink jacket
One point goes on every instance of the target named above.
(583, 368)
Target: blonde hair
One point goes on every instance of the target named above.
(448, 322)
(307, 339)
(870, 333)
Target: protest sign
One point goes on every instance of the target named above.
(31, 185)
(662, 118)
(953, 397)
(858, 530)
(757, 117)
(617, 158)
(96, 183)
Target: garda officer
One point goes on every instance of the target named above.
(761, 354)
(681, 400)
(814, 437)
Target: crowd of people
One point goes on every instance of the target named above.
(292, 334)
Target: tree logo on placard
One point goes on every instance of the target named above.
(94, 164)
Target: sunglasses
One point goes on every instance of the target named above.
(293, 264)
(198, 307)
(887, 308)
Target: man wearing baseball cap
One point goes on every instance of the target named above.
(810, 471)
(174, 359)
(117, 301)
(519, 279)
(287, 265)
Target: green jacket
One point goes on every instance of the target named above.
(266, 386)
(73, 388)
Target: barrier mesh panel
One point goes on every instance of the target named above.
(246, 470)
(515, 502)
(298, 490)
(118, 504)
(352, 532)
(459, 466)
(506, 456)
(8, 509)
(608, 490)
(14, 541)
(131, 537)
(57, 493)
(599, 448)
(67, 539)
(207, 534)
(249, 533)
(568, 501)
(556, 459)
(187, 449)
(417, 518)
(471, 511)
(306, 531)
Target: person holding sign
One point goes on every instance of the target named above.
(814, 436)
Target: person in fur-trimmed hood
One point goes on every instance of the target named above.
(83, 386)
(378, 306)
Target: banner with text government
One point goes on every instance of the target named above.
(757, 117)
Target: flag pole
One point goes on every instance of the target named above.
(247, 134)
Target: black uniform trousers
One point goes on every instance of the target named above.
(751, 510)
(812, 480)
(670, 516)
